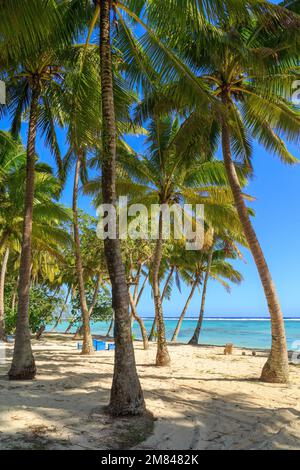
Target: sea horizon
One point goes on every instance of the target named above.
(243, 332)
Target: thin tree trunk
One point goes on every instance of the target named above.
(13, 301)
(62, 310)
(23, 364)
(110, 328)
(2, 285)
(142, 289)
(87, 346)
(195, 338)
(162, 356)
(139, 320)
(3, 239)
(69, 327)
(180, 320)
(126, 394)
(153, 327)
(276, 368)
(40, 332)
(14, 296)
(80, 329)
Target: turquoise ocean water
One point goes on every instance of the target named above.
(248, 333)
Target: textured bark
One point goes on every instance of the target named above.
(23, 364)
(153, 327)
(126, 394)
(139, 320)
(2, 284)
(87, 346)
(62, 310)
(276, 368)
(195, 338)
(180, 320)
(162, 355)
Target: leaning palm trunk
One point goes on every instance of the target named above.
(180, 320)
(276, 368)
(80, 330)
(23, 364)
(110, 328)
(68, 329)
(162, 356)
(139, 320)
(87, 346)
(153, 327)
(2, 284)
(195, 338)
(62, 310)
(126, 394)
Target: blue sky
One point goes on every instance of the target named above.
(276, 190)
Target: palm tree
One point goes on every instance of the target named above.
(29, 89)
(124, 399)
(47, 235)
(87, 347)
(194, 266)
(251, 102)
(173, 170)
(126, 393)
(249, 78)
(216, 268)
(137, 256)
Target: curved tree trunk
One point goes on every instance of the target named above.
(23, 364)
(153, 327)
(40, 332)
(69, 327)
(87, 346)
(62, 310)
(80, 329)
(126, 394)
(180, 320)
(276, 368)
(195, 338)
(142, 289)
(162, 356)
(110, 328)
(139, 320)
(2, 284)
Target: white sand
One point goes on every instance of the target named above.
(204, 400)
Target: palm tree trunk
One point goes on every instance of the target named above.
(126, 394)
(180, 320)
(195, 338)
(71, 323)
(2, 284)
(23, 364)
(276, 368)
(62, 310)
(153, 327)
(162, 356)
(142, 289)
(139, 320)
(87, 346)
(80, 329)
(40, 332)
(110, 328)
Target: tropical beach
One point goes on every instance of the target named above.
(204, 400)
(149, 188)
